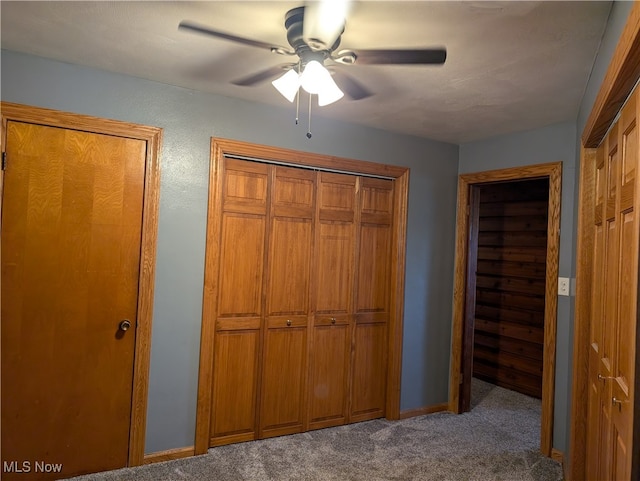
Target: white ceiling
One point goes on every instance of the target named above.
(511, 65)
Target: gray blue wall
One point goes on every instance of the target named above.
(559, 142)
(554, 143)
(189, 119)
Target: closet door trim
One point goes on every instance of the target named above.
(221, 148)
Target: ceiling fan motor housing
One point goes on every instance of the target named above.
(310, 49)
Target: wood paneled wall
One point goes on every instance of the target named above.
(510, 284)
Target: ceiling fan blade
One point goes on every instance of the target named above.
(194, 27)
(354, 89)
(263, 75)
(399, 57)
(324, 22)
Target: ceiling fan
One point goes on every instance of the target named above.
(314, 33)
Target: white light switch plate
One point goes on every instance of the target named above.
(564, 286)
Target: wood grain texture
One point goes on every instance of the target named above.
(152, 136)
(169, 455)
(622, 74)
(396, 301)
(333, 280)
(436, 408)
(300, 304)
(369, 372)
(552, 171)
(210, 300)
(308, 159)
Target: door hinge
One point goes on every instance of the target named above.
(4, 160)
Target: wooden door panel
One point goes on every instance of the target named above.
(376, 201)
(241, 265)
(289, 266)
(329, 376)
(234, 386)
(624, 363)
(236, 345)
(610, 298)
(71, 223)
(369, 372)
(329, 358)
(334, 271)
(245, 187)
(336, 196)
(284, 362)
(283, 380)
(613, 322)
(373, 269)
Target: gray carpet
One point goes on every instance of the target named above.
(498, 440)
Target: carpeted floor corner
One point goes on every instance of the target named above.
(498, 440)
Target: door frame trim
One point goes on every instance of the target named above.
(553, 171)
(153, 137)
(622, 75)
(222, 147)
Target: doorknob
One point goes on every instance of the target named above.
(604, 378)
(125, 325)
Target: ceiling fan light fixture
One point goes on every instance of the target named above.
(316, 79)
(288, 84)
(331, 93)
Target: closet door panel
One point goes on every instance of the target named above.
(241, 265)
(334, 280)
(373, 270)
(234, 394)
(283, 380)
(329, 375)
(284, 362)
(239, 302)
(368, 381)
(289, 266)
(334, 267)
(369, 372)
(624, 354)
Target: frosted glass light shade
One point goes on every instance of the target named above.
(316, 79)
(329, 94)
(288, 84)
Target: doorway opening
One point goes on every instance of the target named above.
(505, 303)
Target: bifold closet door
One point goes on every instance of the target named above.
(284, 362)
(612, 353)
(301, 301)
(369, 373)
(333, 320)
(239, 302)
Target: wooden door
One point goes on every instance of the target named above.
(284, 361)
(614, 301)
(239, 302)
(333, 295)
(71, 239)
(368, 381)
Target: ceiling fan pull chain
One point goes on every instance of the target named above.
(309, 129)
(298, 94)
